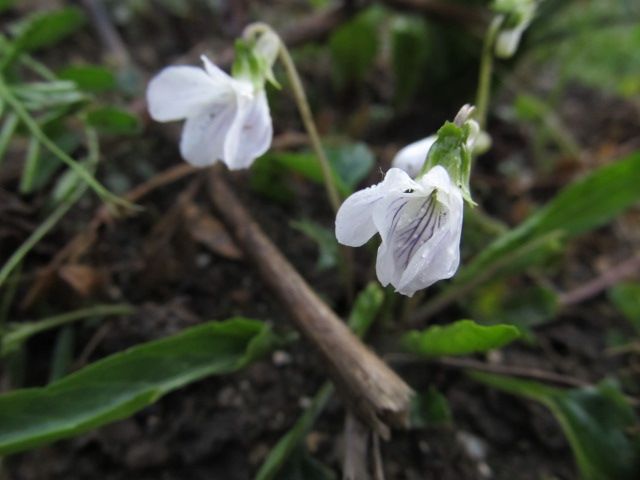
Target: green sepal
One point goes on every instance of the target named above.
(251, 65)
(451, 152)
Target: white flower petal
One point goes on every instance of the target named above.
(438, 178)
(268, 46)
(178, 92)
(216, 73)
(412, 157)
(354, 222)
(354, 225)
(254, 131)
(204, 135)
(508, 40)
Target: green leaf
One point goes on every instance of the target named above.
(524, 307)
(31, 166)
(114, 121)
(6, 4)
(463, 337)
(18, 333)
(626, 298)
(429, 409)
(365, 309)
(123, 383)
(324, 238)
(90, 78)
(354, 47)
(594, 419)
(351, 163)
(45, 29)
(9, 126)
(586, 204)
(43, 95)
(409, 38)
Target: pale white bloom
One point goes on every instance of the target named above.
(419, 222)
(412, 157)
(519, 15)
(227, 119)
(508, 40)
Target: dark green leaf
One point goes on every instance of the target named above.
(62, 355)
(90, 78)
(429, 409)
(324, 238)
(351, 163)
(268, 179)
(114, 120)
(365, 308)
(354, 46)
(9, 126)
(123, 383)
(459, 338)
(409, 38)
(6, 4)
(626, 297)
(594, 420)
(45, 29)
(498, 302)
(586, 204)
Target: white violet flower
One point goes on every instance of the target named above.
(419, 222)
(227, 119)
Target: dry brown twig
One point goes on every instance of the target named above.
(374, 392)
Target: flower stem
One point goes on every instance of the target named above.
(486, 69)
(307, 119)
(305, 111)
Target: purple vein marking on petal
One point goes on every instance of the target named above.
(396, 218)
(411, 240)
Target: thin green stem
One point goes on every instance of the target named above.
(7, 299)
(486, 70)
(38, 234)
(307, 118)
(8, 129)
(25, 330)
(36, 131)
(31, 166)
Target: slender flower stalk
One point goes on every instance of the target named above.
(486, 70)
(305, 111)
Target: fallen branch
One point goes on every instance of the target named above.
(375, 393)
